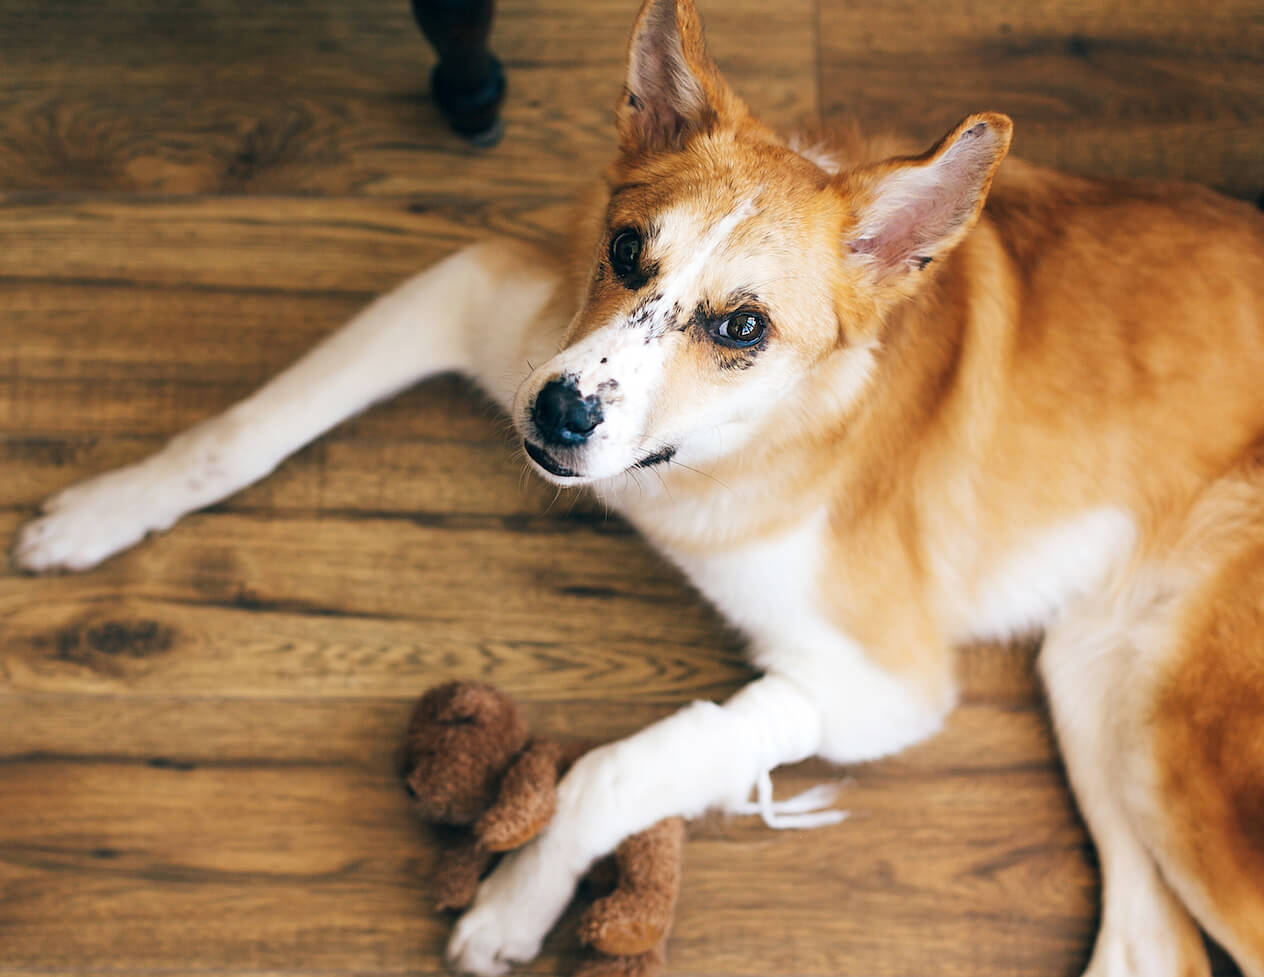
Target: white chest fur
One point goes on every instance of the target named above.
(771, 590)
(1051, 567)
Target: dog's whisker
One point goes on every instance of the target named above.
(557, 494)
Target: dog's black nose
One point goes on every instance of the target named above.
(562, 416)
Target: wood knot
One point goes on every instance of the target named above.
(126, 639)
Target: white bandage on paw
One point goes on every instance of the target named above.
(810, 809)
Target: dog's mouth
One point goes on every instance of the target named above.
(554, 467)
(660, 457)
(547, 461)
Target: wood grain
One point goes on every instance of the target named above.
(328, 96)
(198, 741)
(1155, 88)
(337, 875)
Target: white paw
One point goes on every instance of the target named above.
(95, 519)
(515, 908)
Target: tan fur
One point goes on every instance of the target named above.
(1207, 719)
(1084, 344)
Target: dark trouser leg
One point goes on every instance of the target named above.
(468, 82)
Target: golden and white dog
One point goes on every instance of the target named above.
(885, 420)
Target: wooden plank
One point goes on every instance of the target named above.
(326, 96)
(186, 729)
(1158, 88)
(138, 318)
(344, 249)
(148, 868)
(342, 728)
(570, 598)
(234, 603)
(152, 867)
(347, 43)
(427, 473)
(114, 644)
(72, 418)
(255, 839)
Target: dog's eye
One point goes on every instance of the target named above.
(625, 251)
(741, 330)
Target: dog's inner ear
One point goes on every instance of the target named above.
(912, 211)
(673, 89)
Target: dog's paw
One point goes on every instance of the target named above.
(515, 908)
(486, 944)
(93, 520)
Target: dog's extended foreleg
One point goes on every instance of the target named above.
(704, 756)
(478, 312)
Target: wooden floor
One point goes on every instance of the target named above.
(196, 739)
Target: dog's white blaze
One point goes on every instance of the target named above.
(679, 284)
(771, 590)
(1053, 567)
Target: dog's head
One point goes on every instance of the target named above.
(728, 268)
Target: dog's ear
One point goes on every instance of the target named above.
(908, 211)
(673, 90)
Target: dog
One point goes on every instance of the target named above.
(894, 403)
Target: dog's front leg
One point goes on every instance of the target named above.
(702, 757)
(480, 311)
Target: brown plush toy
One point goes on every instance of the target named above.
(488, 786)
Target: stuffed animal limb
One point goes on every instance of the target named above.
(462, 862)
(631, 924)
(528, 796)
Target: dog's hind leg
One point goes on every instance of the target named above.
(483, 311)
(1203, 814)
(1158, 697)
(1088, 662)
